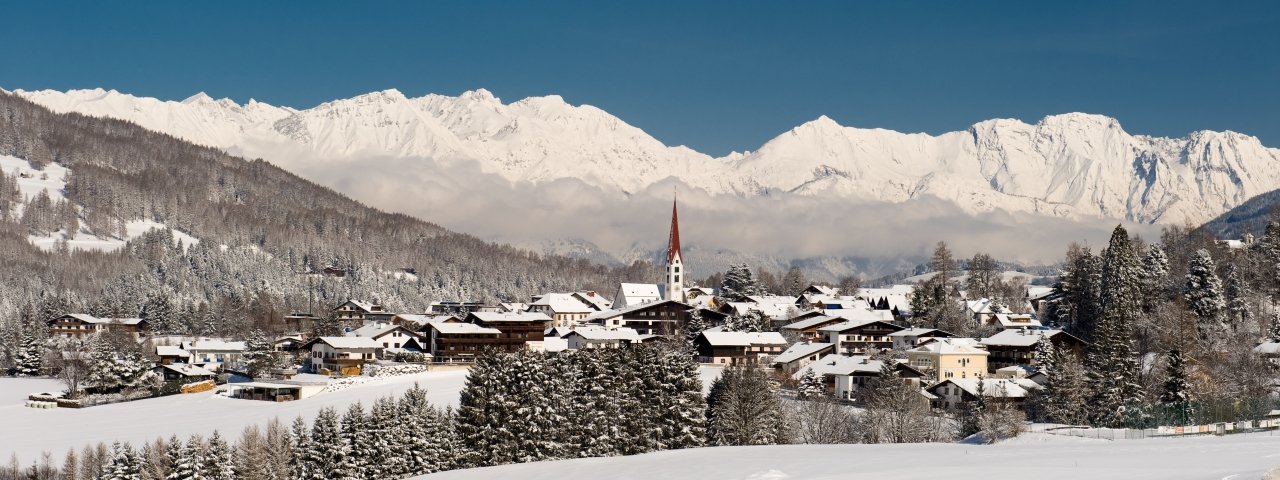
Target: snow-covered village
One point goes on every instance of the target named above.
(620, 240)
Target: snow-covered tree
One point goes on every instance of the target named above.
(811, 385)
(1155, 276)
(1067, 391)
(693, 328)
(1203, 293)
(1044, 355)
(743, 410)
(218, 459)
(325, 455)
(738, 281)
(259, 355)
(187, 459)
(1176, 395)
(123, 465)
(1274, 332)
(752, 321)
(1236, 291)
(1113, 368)
(299, 463)
(894, 412)
(30, 355)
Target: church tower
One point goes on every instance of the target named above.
(675, 265)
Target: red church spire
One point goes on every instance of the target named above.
(673, 245)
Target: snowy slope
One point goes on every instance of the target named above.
(1072, 165)
(1246, 456)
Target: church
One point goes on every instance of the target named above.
(633, 294)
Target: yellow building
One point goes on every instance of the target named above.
(949, 358)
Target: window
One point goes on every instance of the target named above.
(677, 269)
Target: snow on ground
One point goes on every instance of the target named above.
(29, 431)
(1238, 456)
(88, 241)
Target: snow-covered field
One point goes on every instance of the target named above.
(1033, 456)
(29, 431)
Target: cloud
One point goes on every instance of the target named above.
(779, 228)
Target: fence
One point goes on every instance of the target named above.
(1220, 428)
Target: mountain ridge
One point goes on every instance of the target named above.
(1070, 165)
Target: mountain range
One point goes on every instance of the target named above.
(1071, 165)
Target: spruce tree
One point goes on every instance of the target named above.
(299, 464)
(259, 356)
(1203, 293)
(218, 459)
(188, 460)
(355, 439)
(811, 385)
(1176, 395)
(1067, 391)
(123, 465)
(422, 447)
(30, 357)
(1045, 354)
(1274, 332)
(1238, 312)
(1113, 368)
(743, 410)
(692, 329)
(325, 455)
(684, 424)
(1155, 277)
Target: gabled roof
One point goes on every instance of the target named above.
(214, 344)
(952, 346)
(635, 293)
(835, 364)
(562, 303)
(171, 351)
(1268, 348)
(813, 322)
(627, 334)
(743, 339)
(1023, 337)
(852, 324)
(347, 342)
(510, 316)
(1009, 320)
(377, 330)
(365, 306)
(986, 306)
(992, 387)
(801, 350)
(463, 329)
(594, 300)
(188, 370)
(921, 332)
(84, 317)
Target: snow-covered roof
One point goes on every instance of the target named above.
(593, 299)
(801, 350)
(952, 346)
(511, 316)
(743, 339)
(1018, 337)
(1036, 292)
(835, 364)
(188, 370)
(554, 344)
(986, 306)
(812, 322)
(635, 293)
(423, 319)
(919, 332)
(215, 344)
(561, 303)
(994, 387)
(374, 330)
(849, 324)
(463, 328)
(365, 306)
(628, 334)
(84, 317)
(1268, 348)
(1010, 320)
(171, 351)
(514, 306)
(351, 342)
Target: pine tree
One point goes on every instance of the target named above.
(1236, 290)
(1203, 293)
(422, 446)
(299, 463)
(742, 410)
(1274, 331)
(1111, 362)
(217, 459)
(384, 434)
(481, 411)
(259, 356)
(1155, 277)
(738, 282)
(326, 454)
(811, 386)
(1067, 391)
(693, 328)
(1176, 396)
(187, 459)
(1045, 354)
(123, 464)
(30, 357)
(684, 424)
(355, 439)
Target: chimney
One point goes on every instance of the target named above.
(591, 293)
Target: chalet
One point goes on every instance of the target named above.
(821, 290)
(170, 354)
(334, 272)
(801, 355)
(81, 325)
(451, 342)
(288, 343)
(739, 348)
(513, 307)
(300, 322)
(392, 338)
(662, 317)
(631, 294)
(857, 337)
(848, 376)
(948, 358)
(594, 300)
(459, 308)
(418, 322)
(701, 297)
(914, 337)
(1269, 350)
(215, 354)
(565, 309)
(956, 392)
(1017, 347)
(342, 355)
(520, 331)
(1009, 321)
(983, 309)
(183, 373)
(584, 338)
(808, 328)
(354, 313)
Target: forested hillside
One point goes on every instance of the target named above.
(259, 228)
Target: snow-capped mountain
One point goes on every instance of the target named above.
(1071, 165)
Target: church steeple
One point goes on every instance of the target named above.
(675, 271)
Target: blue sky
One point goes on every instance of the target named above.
(717, 76)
